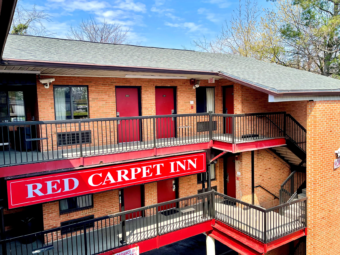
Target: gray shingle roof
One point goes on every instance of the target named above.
(265, 75)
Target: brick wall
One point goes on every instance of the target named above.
(101, 92)
(270, 172)
(323, 207)
(248, 100)
(104, 203)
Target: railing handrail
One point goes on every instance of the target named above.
(296, 122)
(288, 178)
(260, 186)
(286, 204)
(21, 123)
(205, 194)
(247, 114)
(241, 202)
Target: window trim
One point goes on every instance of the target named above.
(199, 182)
(70, 86)
(8, 118)
(205, 87)
(61, 212)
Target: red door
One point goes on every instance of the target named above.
(228, 107)
(166, 191)
(128, 106)
(165, 105)
(132, 200)
(230, 177)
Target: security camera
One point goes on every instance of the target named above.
(47, 82)
(195, 86)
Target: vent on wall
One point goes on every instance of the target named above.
(72, 138)
(204, 126)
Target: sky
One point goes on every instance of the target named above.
(158, 23)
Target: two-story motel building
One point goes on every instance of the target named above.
(104, 148)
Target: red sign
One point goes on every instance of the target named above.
(35, 190)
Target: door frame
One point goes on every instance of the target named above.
(175, 103)
(223, 103)
(225, 172)
(121, 199)
(223, 97)
(139, 91)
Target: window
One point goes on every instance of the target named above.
(205, 100)
(212, 174)
(71, 102)
(66, 230)
(12, 106)
(75, 204)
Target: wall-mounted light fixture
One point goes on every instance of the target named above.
(47, 82)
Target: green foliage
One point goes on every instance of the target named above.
(19, 29)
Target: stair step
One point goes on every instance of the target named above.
(302, 195)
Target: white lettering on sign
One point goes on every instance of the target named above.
(41, 189)
(132, 251)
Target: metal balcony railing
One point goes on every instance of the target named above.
(113, 231)
(39, 141)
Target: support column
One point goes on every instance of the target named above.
(252, 178)
(210, 244)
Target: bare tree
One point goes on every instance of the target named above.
(29, 21)
(247, 33)
(91, 30)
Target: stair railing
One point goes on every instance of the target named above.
(295, 132)
(291, 186)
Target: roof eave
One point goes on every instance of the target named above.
(274, 92)
(17, 62)
(7, 8)
(259, 87)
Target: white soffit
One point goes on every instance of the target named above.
(275, 99)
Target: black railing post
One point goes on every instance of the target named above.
(4, 244)
(157, 221)
(154, 132)
(85, 240)
(210, 126)
(292, 188)
(212, 210)
(284, 124)
(233, 133)
(123, 217)
(265, 227)
(203, 191)
(80, 141)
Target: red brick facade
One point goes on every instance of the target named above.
(270, 171)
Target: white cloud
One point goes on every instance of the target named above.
(192, 27)
(130, 5)
(220, 3)
(209, 15)
(82, 5)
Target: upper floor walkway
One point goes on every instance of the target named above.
(246, 228)
(52, 145)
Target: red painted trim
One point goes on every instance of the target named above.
(94, 161)
(286, 239)
(259, 145)
(166, 239)
(182, 234)
(40, 167)
(223, 146)
(182, 148)
(104, 159)
(233, 244)
(239, 237)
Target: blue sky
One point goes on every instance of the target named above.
(159, 23)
